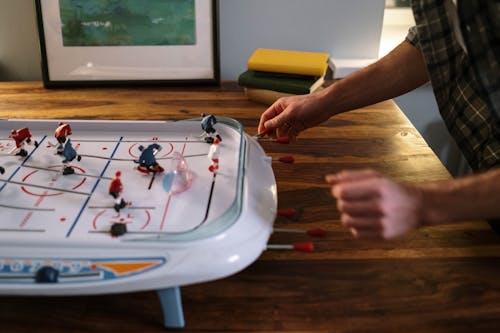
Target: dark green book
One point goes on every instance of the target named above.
(290, 85)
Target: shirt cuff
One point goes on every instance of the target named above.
(412, 37)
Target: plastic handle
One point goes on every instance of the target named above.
(287, 159)
(283, 139)
(304, 247)
(316, 232)
(287, 212)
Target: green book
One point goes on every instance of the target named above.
(290, 85)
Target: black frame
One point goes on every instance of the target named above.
(49, 83)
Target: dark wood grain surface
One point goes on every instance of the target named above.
(440, 279)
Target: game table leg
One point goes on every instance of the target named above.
(171, 303)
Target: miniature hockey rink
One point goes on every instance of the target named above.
(212, 226)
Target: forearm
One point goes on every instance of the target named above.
(468, 198)
(402, 70)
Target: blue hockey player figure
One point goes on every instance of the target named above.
(147, 160)
(69, 154)
(207, 125)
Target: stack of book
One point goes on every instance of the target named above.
(272, 74)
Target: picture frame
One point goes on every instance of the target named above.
(88, 43)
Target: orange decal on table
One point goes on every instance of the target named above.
(120, 268)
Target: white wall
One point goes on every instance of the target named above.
(340, 27)
(343, 28)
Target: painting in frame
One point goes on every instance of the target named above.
(128, 42)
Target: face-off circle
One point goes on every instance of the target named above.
(38, 177)
(133, 151)
(106, 218)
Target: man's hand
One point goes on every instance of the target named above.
(289, 116)
(373, 206)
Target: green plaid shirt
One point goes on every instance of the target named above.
(466, 84)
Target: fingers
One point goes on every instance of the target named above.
(364, 226)
(365, 233)
(278, 120)
(360, 201)
(364, 189)
(266, 119)
(360, 208)
(287, 129)
(374, 206)
(351, 175)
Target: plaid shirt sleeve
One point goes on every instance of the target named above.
(466, 82)
(480, 23)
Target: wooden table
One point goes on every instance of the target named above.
(441, 279)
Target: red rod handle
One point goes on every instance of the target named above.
(283, 139)
(287, 212)
(304, 247)
(287, 159)
(316, 232)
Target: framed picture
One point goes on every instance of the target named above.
(128, 42)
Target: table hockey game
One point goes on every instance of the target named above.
(213, 227)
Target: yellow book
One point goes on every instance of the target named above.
(291, 62)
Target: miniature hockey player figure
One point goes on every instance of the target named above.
(69, 154)
(115, 190)
(21, 137)
(147, 160)
(61, 134)
(213, 156)
(207, 125)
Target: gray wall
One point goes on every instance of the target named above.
(344, 28)
(421, 108)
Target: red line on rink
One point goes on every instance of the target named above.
(28, 175)
(147, 220)
(37, 203)
(40, 199)
(94, 223)
(165, 211)
(26, 219)
(184, 147)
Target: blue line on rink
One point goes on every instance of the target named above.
(167, 181)
(93, 189)
(24, 161)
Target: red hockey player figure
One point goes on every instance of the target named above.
(21, 137)
(61, 134)
(115, 190)
(207, 125)
(213, 156)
